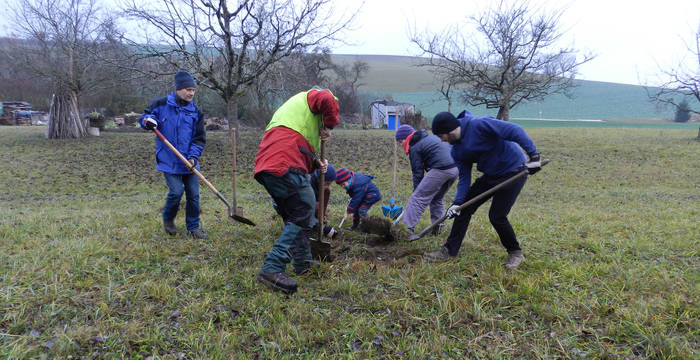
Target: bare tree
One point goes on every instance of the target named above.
(681, 82)
(447, 88)
(508, 62)
(228, 47)
(347, 82)
(63, 39)
(298, 72)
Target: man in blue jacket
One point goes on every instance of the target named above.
(433, 170)
(496, 147)
(182, 123)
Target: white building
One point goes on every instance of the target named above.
(388, 113)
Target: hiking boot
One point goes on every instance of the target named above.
(441, 254)
(515, 258)
(198, 234)
(278, 281)
(169, 227)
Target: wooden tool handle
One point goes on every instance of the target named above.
(189, 165)
(322, 183)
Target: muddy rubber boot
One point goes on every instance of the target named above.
(198, 234)
(278, 281)
(441, 254)
(515, 258)
(169, 227)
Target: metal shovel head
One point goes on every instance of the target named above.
(396, 211)
(386, 209)
(320, 250)
(238, 216)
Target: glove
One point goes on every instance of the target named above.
(453, 211)
(194, 162)
(534, 164)
(149, 123)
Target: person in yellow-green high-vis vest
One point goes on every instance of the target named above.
(286, 155)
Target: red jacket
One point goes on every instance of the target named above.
(279, 149)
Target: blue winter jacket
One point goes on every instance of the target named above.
(360, 187)
(426, 152)
(183, 126)
(494, 145)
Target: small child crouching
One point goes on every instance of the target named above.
(362, 191)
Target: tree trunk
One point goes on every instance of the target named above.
(64, 117)
(503, 113)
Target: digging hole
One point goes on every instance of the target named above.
(375, 230)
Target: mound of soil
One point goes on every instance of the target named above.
(376, 230)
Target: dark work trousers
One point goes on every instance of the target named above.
(294, 201)
(501, 203)
(362, 211)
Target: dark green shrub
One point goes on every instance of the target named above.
(682, 112)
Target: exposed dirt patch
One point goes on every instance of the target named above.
(378, 240)
(379, 230)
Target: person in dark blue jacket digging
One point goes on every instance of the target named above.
(362, 191)
(182, 124)
(496, 146)
(434, 172)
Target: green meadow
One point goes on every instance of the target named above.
(609, 230)
(405, 81)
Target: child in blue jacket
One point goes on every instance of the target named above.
(362, 191)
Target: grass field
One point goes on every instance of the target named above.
(406, 82)
(609, 230)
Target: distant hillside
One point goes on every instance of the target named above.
(406, 82)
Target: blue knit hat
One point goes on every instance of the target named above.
(342, 175)
(330, 173)
(404, 131)
(183, 80)
(444, 122)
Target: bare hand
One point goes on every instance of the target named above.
(323, 165)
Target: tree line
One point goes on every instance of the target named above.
(246, 59)
(73, 56)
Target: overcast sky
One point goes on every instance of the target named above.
(631, 38)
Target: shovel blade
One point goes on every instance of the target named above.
(396, 211)
(242, 219)
(320, 250)
(386, 209)
(238, 216)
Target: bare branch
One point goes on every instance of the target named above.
(229, 48)
(510, 62)
(682, 81)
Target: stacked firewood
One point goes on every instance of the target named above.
(64, 118)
